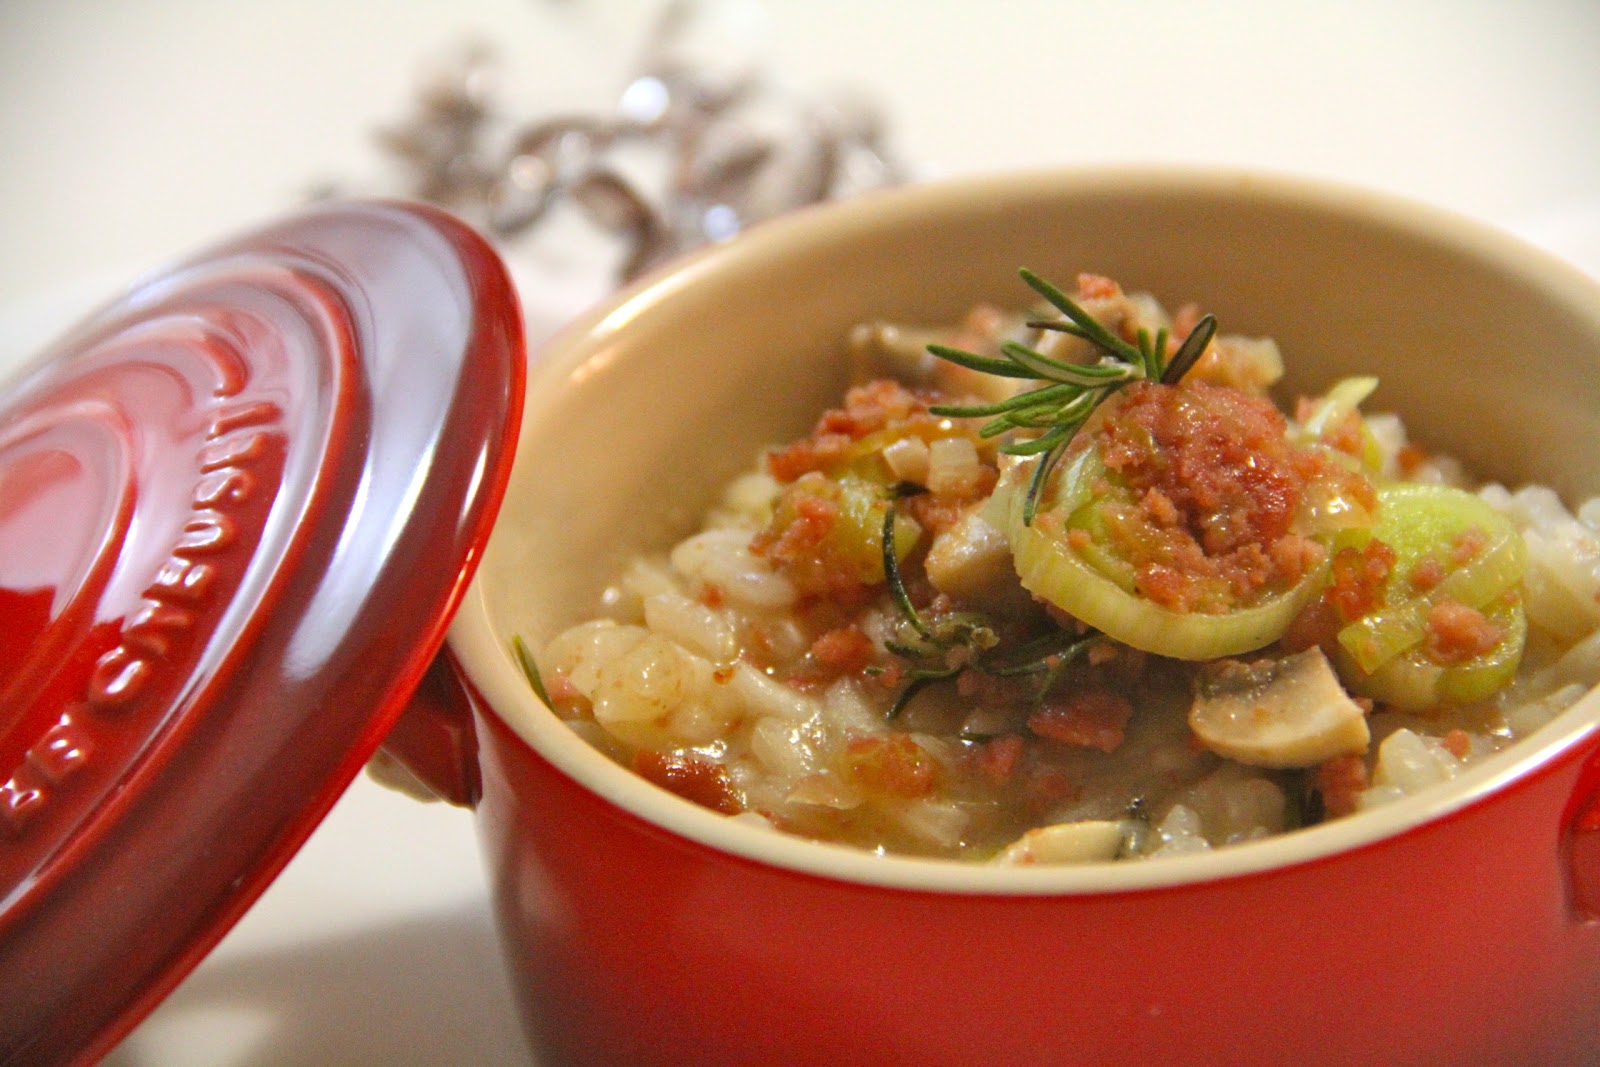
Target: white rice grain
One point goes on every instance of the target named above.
(825, 791)
(659, 694)
(1562, 582)
(580, 652)
(747, 501)
(1409, 762)
(939, 822)
(1527, 715)
(693, 625)
(783, 748)
(761, 695)
(722, 559)
(641, 579)
(1236, 804)
(849, 712)
(1180, 833)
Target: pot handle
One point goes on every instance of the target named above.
(1582, 843)
(431, 752)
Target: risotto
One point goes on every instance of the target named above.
(1066, 585)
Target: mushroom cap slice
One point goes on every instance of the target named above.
(1288, 712)
(1084, 841)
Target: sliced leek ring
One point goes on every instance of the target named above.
(1053, 570)
(1422, 520)
(1412, 681)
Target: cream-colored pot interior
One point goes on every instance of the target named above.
(642, 409)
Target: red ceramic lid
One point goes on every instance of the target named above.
(237, 509)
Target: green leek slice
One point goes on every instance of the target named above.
(1383, 654)
(1419, 521)
(1094, 589)
(1335, 406)
(1412, 681)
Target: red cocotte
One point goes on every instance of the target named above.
(1453, 926)
(237, 509)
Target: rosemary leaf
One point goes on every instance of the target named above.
(1037, 396)
(1047, 369)
(1191, 350)
(918, 683)
(1092, 330)
(530, 669)
(897, 587)
(1036, 655)
(973, 361)
(1158, 355)
(1041, 472)
(1039, 444)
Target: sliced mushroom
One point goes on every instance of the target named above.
(885, 349)
(1067, 842)
(1289, 712)
(972, 561)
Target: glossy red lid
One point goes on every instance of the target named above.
(237, 509)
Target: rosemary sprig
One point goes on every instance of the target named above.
(1053, 413)
(963, 640)
(930, 656)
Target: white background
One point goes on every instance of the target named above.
(132, 132)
